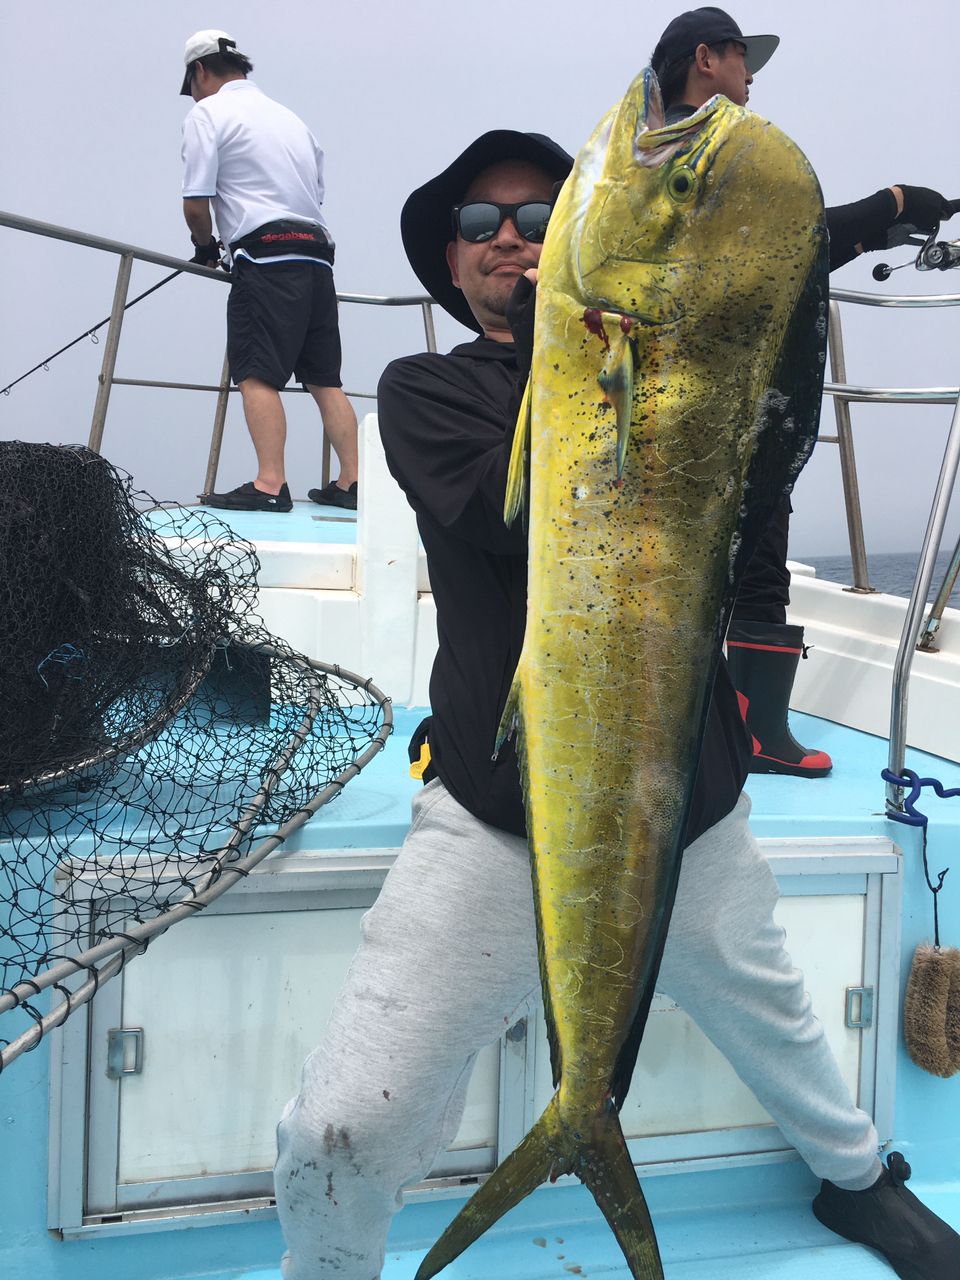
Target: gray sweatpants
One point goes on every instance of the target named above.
(446, 959)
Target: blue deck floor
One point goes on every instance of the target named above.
(307, 522)
(851, 799)
(375, 809)
(709, 1227)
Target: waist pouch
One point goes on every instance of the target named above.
(306, 239)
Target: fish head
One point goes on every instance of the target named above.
(661, 221)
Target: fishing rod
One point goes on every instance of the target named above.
(932, 254)
(89, 333)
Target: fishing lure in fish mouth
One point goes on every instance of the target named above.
(616, 377)
(673, 398)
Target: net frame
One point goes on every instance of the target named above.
(107, 959)
(155, 728)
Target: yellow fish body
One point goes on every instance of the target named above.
(673, 398)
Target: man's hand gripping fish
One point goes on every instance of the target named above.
(674, 396)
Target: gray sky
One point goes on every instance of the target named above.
(394, 91)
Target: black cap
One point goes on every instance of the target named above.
(426, 221)
(708, 26)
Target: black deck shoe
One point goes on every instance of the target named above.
(249, 498)
(889, 1218)
(332, 495)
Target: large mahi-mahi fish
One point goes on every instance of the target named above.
(674, 396)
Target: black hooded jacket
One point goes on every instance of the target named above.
(447, 428)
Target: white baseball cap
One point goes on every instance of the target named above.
(200, 45)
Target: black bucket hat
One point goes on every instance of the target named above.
(708, 26)
(426, 223)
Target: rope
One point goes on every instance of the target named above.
(912, 817)
(88, 333)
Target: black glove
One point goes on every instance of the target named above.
(892, 238)
(521, 314)
(206, 255)
(924, 208)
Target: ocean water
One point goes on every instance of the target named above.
(892, 572)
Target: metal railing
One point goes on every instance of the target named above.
(129, 253)
(843, 394)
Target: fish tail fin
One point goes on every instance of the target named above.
(516, 495)
(606, 1168)
(535, 1160)
(598, 1156)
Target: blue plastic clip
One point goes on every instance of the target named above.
(910, 816)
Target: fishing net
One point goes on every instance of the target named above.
(156, 742)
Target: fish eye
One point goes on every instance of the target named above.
(682, 183)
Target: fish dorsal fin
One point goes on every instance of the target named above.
(515, 500)
(630, 120)
(639, 126)
(653, 112)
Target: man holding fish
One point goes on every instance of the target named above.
(449, 951)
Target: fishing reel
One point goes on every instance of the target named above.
(932, 254)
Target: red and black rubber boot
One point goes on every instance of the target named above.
(763, 659)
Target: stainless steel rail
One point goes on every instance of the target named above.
(843, 394)
(914, 620)
(127, 254)
(848, 462)
(896, 299)
(935, 616)
(891, 395)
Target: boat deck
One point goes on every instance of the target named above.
(558, 1234)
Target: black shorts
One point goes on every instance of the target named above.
(282, 319)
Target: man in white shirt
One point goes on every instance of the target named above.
(262, 168)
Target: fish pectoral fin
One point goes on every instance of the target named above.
(515, 499)
(616, 382)
(510, 720)
(596, 1151)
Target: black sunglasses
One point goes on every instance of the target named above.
(480, 220)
